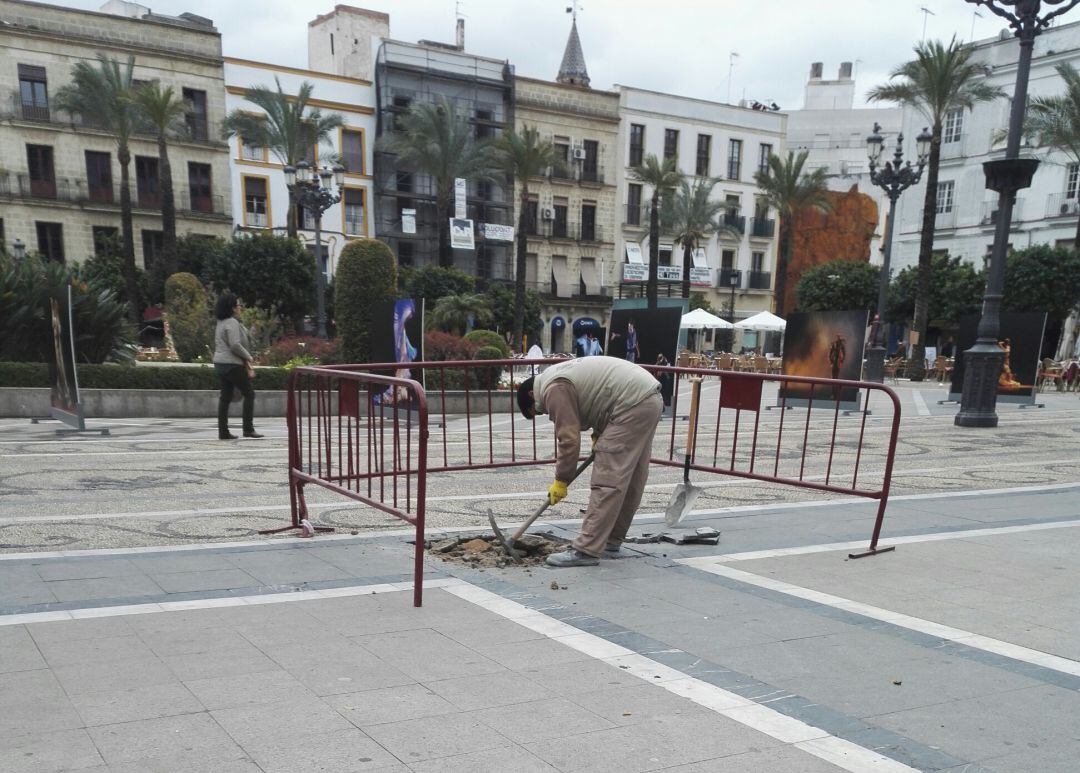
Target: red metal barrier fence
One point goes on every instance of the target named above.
(365, 435)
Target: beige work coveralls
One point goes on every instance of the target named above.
(621, 403)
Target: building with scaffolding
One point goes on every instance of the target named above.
(406, 215)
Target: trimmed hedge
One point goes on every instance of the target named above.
(366, 275)
(173, 377)
(489, 339)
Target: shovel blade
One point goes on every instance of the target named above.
(682, 500)
(506, 546)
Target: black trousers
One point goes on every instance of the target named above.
(234, 377)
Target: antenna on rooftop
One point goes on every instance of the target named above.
(974, 14)
(927, 13)
(730, 68)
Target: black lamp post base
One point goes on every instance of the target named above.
(982, 368)
(875, 364)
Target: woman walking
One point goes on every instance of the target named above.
(232, 363)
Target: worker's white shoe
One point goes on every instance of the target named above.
(571, 557)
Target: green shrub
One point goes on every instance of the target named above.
(489, 339)
(274, 273)
(439, 346)
(195, 252)
(102, 330)
(433, 282)
(292, 348)
(366, 275)
(263, 327)
(114, 376)
(188, 316)
(488, 377)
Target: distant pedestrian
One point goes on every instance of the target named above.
(592, 345)
(667, 381)
(233, 365)
(633, 351)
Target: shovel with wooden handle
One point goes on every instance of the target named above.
(686, 494)
(508, 545)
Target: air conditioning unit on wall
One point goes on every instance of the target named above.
(579, 154)
(547, 213)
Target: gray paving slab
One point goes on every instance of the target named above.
(427, 655)
(390, 704)
(489, 690)
(107, 707)
(187, 742)
(34, 702)
(205, 579)
(341, 750)
(759, 761)
(20, 652)
(48, 751)
(415, 740)
(247, 689)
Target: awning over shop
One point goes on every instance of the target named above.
(560, 275)
(590, 277)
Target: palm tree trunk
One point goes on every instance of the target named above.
(168, 212)
(917, 370)
(131, 282)
(291, 217)
(687, 254)
(652, 288)
(783, 261)
(520, 268)
(446, 252)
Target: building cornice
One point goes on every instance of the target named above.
(295, 71)
(544, 107)
(241, 91)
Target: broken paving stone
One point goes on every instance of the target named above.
(446, 545)
(486, 551)
(554, 585)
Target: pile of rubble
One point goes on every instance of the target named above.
(485, 551)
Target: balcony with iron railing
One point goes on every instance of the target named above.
(990, 212)
(724, 277)
(637, 216)
(759, 280)
(763, 228)
(733, 221)
(201, 204)
(1062, 205)
(554, 229)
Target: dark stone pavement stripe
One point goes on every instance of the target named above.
(936, 643)
(885, 742)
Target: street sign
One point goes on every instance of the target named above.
(460, 194)
(497, 232)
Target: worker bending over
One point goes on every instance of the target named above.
(620, 402)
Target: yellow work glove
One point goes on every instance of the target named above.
(557, 492)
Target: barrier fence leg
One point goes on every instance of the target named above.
(874, 549)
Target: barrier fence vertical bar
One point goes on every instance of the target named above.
(832, 441)
(307, 422)
(734, 437)
(719, 412)
(806, 431)
(491, 433)
(421, 497)
(780, 431)
(468, 414)
(294, 447)
(397, 450)
(442, 403)
(890, 455)
(862, 433)
(513, 415)
(674, 413)
(757, 418)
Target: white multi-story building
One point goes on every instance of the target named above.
(833, 133)
(260, 197)
(709, 139)
(1045, 213)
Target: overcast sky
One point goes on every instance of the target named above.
(678, 46)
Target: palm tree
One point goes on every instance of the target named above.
(102, 97)
(693, 217)
(789, 190)
(521, 156)
(942, 78)
(1054, 122)
(434, 139)
(663, 177)
(289, 127)
(165, 112)
(457, 313)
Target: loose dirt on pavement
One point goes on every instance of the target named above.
(485, 551)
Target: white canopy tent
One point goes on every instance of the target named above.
(763, 320)
(699, 319)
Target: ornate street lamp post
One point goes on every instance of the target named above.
(734, 278)
(311, 189)
(894, 178)
(982, 362)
